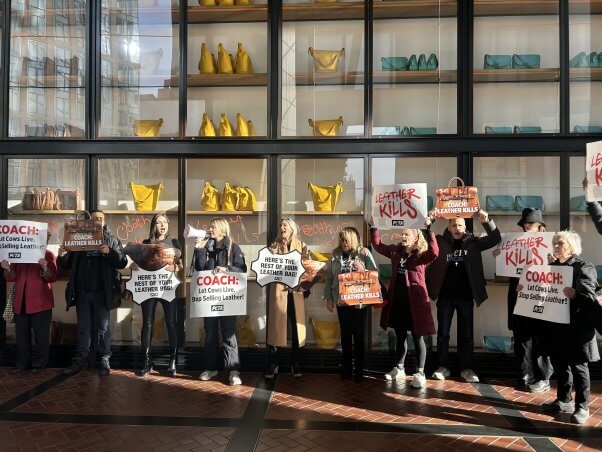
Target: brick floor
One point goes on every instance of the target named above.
(584, 445)
(14, 384)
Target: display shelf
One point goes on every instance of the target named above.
(516, 75)
(379, 77)
(585, 74)
(217, 14)
(209, 80)
(586, 7)
(224, 212)
(15, 211)
(545, 213)
(318, 213)
(323, 11)
(139, 212)
(515, 7)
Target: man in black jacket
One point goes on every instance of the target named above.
(94, 287)
(455, 279)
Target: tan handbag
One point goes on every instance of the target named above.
(224, 61)
(70, 199)
(326, 60)
(147, 127)
(243, 63)
(225, 127)
(325, 198)
(207, 61)
(210, 198)
(229, 198)
(83, 234)
(50, 201)
(32, 199)
(243, 128)
(326, 127)
(207, 127)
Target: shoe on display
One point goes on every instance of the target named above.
(78, 364)
(580, 416)
(441, 373)
(469, 376)
(207, 375)
(557, 406)
(397, 374)
(104, 368)
(418, 380)
(235, 378)
(539, 387)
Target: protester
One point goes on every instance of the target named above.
(455, 279)
(529, 351)
(349, 256)
(285, 303)
(32, 303)
(94, 286)
(220, 254)
(595, 210)
(409, 307)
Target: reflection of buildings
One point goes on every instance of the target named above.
(114, 176)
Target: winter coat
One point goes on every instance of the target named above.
(420, 306)
(333, 270)
(474, 264)
(33, 286)
(278, 301)
(209, 257)
(595, 211)
(111, 263)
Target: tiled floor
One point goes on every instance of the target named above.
(317, 412)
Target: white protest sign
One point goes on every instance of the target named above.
(22, 242)
(522, 249)
(399, 205)
(281, 268)
(219, 294)
(593, 170)
(542, 294)
(158, 284)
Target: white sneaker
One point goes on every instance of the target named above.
(441, 373)
(469, 376)
(235, 378)
(418, 381)
(208, 375)
(396, 374)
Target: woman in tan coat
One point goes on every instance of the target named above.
(285, 303)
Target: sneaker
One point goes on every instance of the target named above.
(296, 370)
(558, 407)
(104, 368)
(271, 372)
(235, 378)
(207, 375)
(539, 387)
(469, 376)
(418, 380)
(397, 374)
(441, 373)
(78, 364)
(580, 416)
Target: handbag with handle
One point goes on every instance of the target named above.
(422, 62)
(147, 127)
(527, 129)
(326, 127)
(146, 197)
(207, 2)
(578, 204)
(243, 63)
(413, 63)
(580, 60)
(207, 61)
(423, 131)
(225, 127)
(587, 129)
(523, 201)
(9, 313)
(229, 198)
(207, 128)
(224, 61)
(82, 234)
(210, 198)
(244, 128)
(32, 199)
(499, 203)
(497, 62)
(457, 202)
(326, 60)
(394, 63)
(50, 201)
(225, 2)
(325, 198)
(432, 63)
(246, 200)
(529, 61)
(491, 130)
(70, 199)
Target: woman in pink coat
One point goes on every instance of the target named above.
(408, 307)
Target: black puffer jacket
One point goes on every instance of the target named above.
(209, 256)
(595, 211)
(474, 264)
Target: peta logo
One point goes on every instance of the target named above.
(397, 223)
(217, 308)
(14, 255)
(538, 309)
(519, 271)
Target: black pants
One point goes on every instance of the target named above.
(229, 349)
(39, 323)
(93, 301)
(571, 374)
(402, 348)
(445, 314)
(273, 357)
(148, 319)
(530, 356)
(352, 321)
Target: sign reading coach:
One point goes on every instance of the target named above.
(218, 294)
(22, 241)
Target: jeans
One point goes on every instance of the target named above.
(148, 319)
(229, 345)
(40, 324)
(352, 321)
(445, 314)
(93, 301)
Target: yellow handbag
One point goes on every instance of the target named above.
(320, 257)
(147, 127)
(243, 128)
(244, 2)
(326, 333)
(210, 198)
(225, 2)
(146, 197)
(243, 63)
(207, 2)
(325, 198)
(224, 61)
(326, 60)
(207, 61)
(325, 1)
(326, 127)
(225, 127)
(207, 127)
(246, 199)
(229, 198)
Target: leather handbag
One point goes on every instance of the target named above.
(146, 197)
(423, 131)
(147, 127)
(587, 129)
(207, 128)
(578, 204)
(70, 199)
(207, 2)
(326, 60)
(207, 63)
(32, 199)
(244, 2)
(394, 63)
(325, 198)
(489, 130)
(225, 127)
(9, 314)
(229, 198)
(50, 201)
(243, 63)
(530, 61)
(594, 60)
(244, 128)
(225, 2)
(422, 62)
(432, 63)
(247, 202)
(224, 61)
(413, 63)
(457, 202)
(82, 234)
(527, 129)
(497, 62)
(326, 333)
(580, 60)
(499, 203)
(405, 131)
(523, 201)
(326, 127)
(210, 198)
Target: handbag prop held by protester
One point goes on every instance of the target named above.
(315, 272)
(457, 202)
(152, 256)
(326, 60)
(325, 198)
(83, 233)
(146, 197)
(357, 288)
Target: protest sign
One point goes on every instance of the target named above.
(457, 202)
(593, 170)
(281, 268)
(218, 294)
(22, 242)
(158, 284)
(542, 294)
(83, 234)
(399, 205)
(522, 249)
(359, 288)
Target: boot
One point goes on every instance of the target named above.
(148, 365)
(173, 358)
(145, 339)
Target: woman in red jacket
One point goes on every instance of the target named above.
(408, 307)
(32, 303)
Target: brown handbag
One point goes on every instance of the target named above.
(457, 202)
(32, 199)
(50, 201)
(83, 234)
(70, 199)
